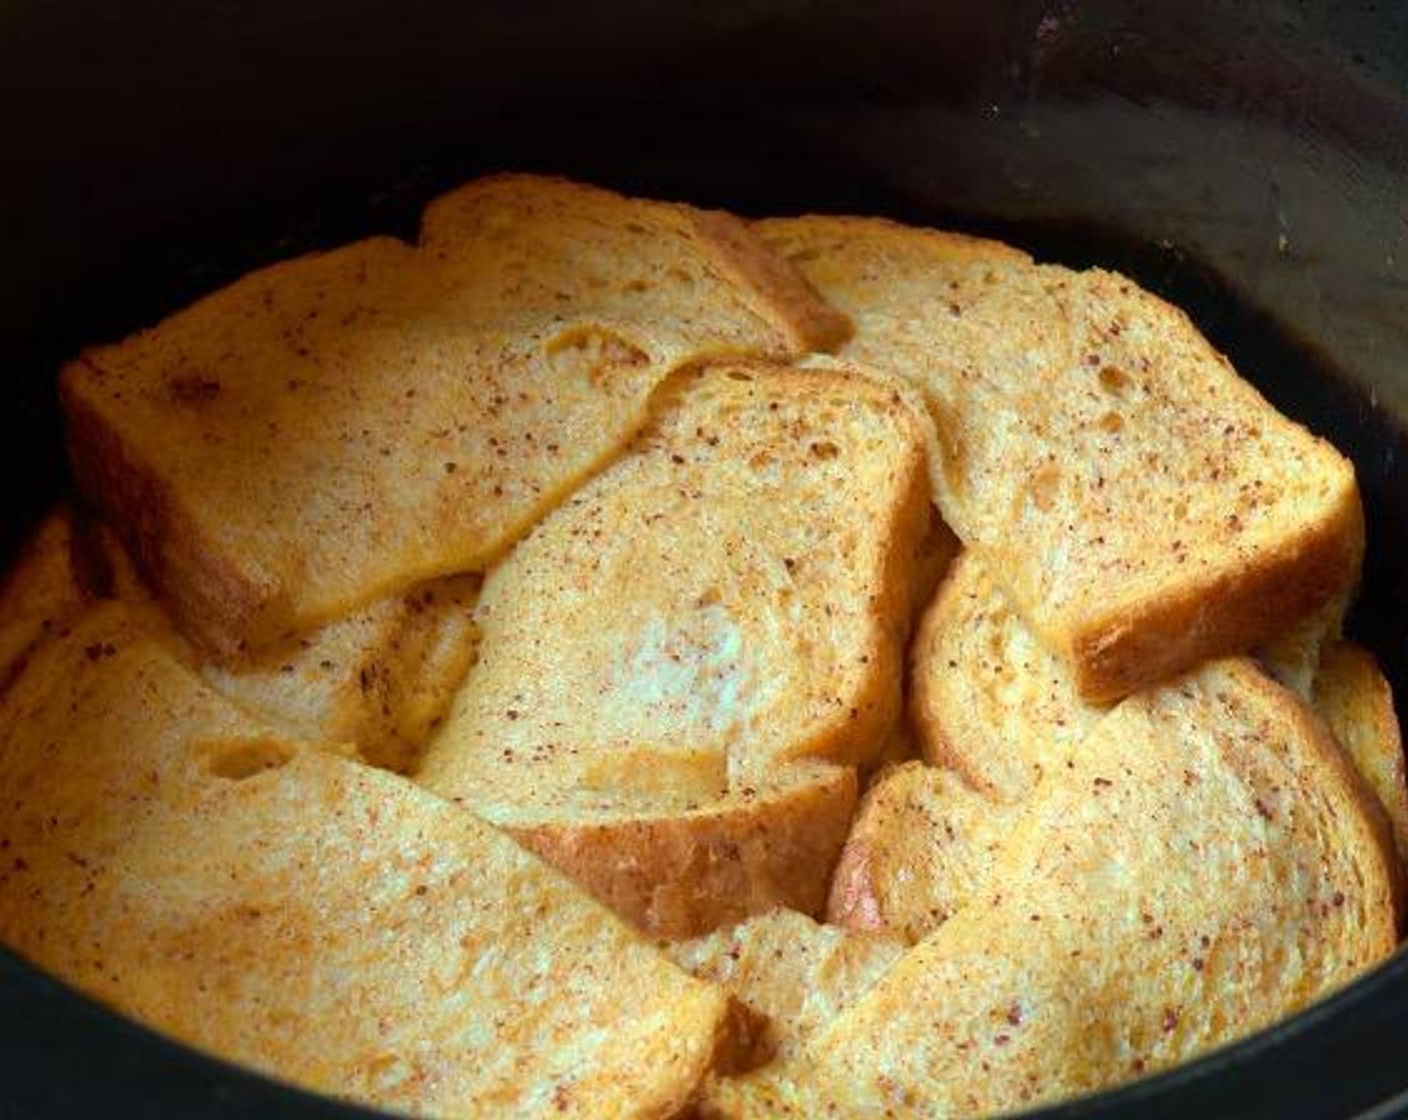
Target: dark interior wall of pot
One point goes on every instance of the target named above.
(1247, 160)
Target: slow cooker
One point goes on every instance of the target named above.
(1248, 161)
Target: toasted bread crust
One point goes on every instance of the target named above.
(779, 292)
(686, 874)
(920, 847)
(1214, 614)
(218, 599)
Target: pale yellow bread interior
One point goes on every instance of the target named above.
(322, 921)
(1144, 507)
(728, 599)
(1207, 863)
(336, 428)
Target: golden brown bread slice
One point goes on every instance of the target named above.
(991, 703)
(1206, 864)
(320, 920)
(1356, 701)
(679, 869)
(339, 427)
(381, 677)
(793, 974)
(727, 599)
(1143, 506)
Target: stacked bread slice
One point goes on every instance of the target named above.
(440, 624)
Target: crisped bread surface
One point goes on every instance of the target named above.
(1144, 507)
(315, 918)
(336, 428)
(678, 871)
(729, 597)
(793, 973)
(382, 676)
(1205, 865)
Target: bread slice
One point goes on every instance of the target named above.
(1143, 506)
(1206, 864)
(337, 428)
(381, 677)
(793, 974)
(324, 922)
(728, 599)
(677, 870)
(1356, 701)
(921, 847)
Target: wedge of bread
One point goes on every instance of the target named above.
(1356, 701)
(1206, 864)
(322, 921)
(992, 704)
(921, 847)
(1144, 507)
(727, 600)
(793, 974)
(383, 677)
(1293, 656)
(337, 428)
